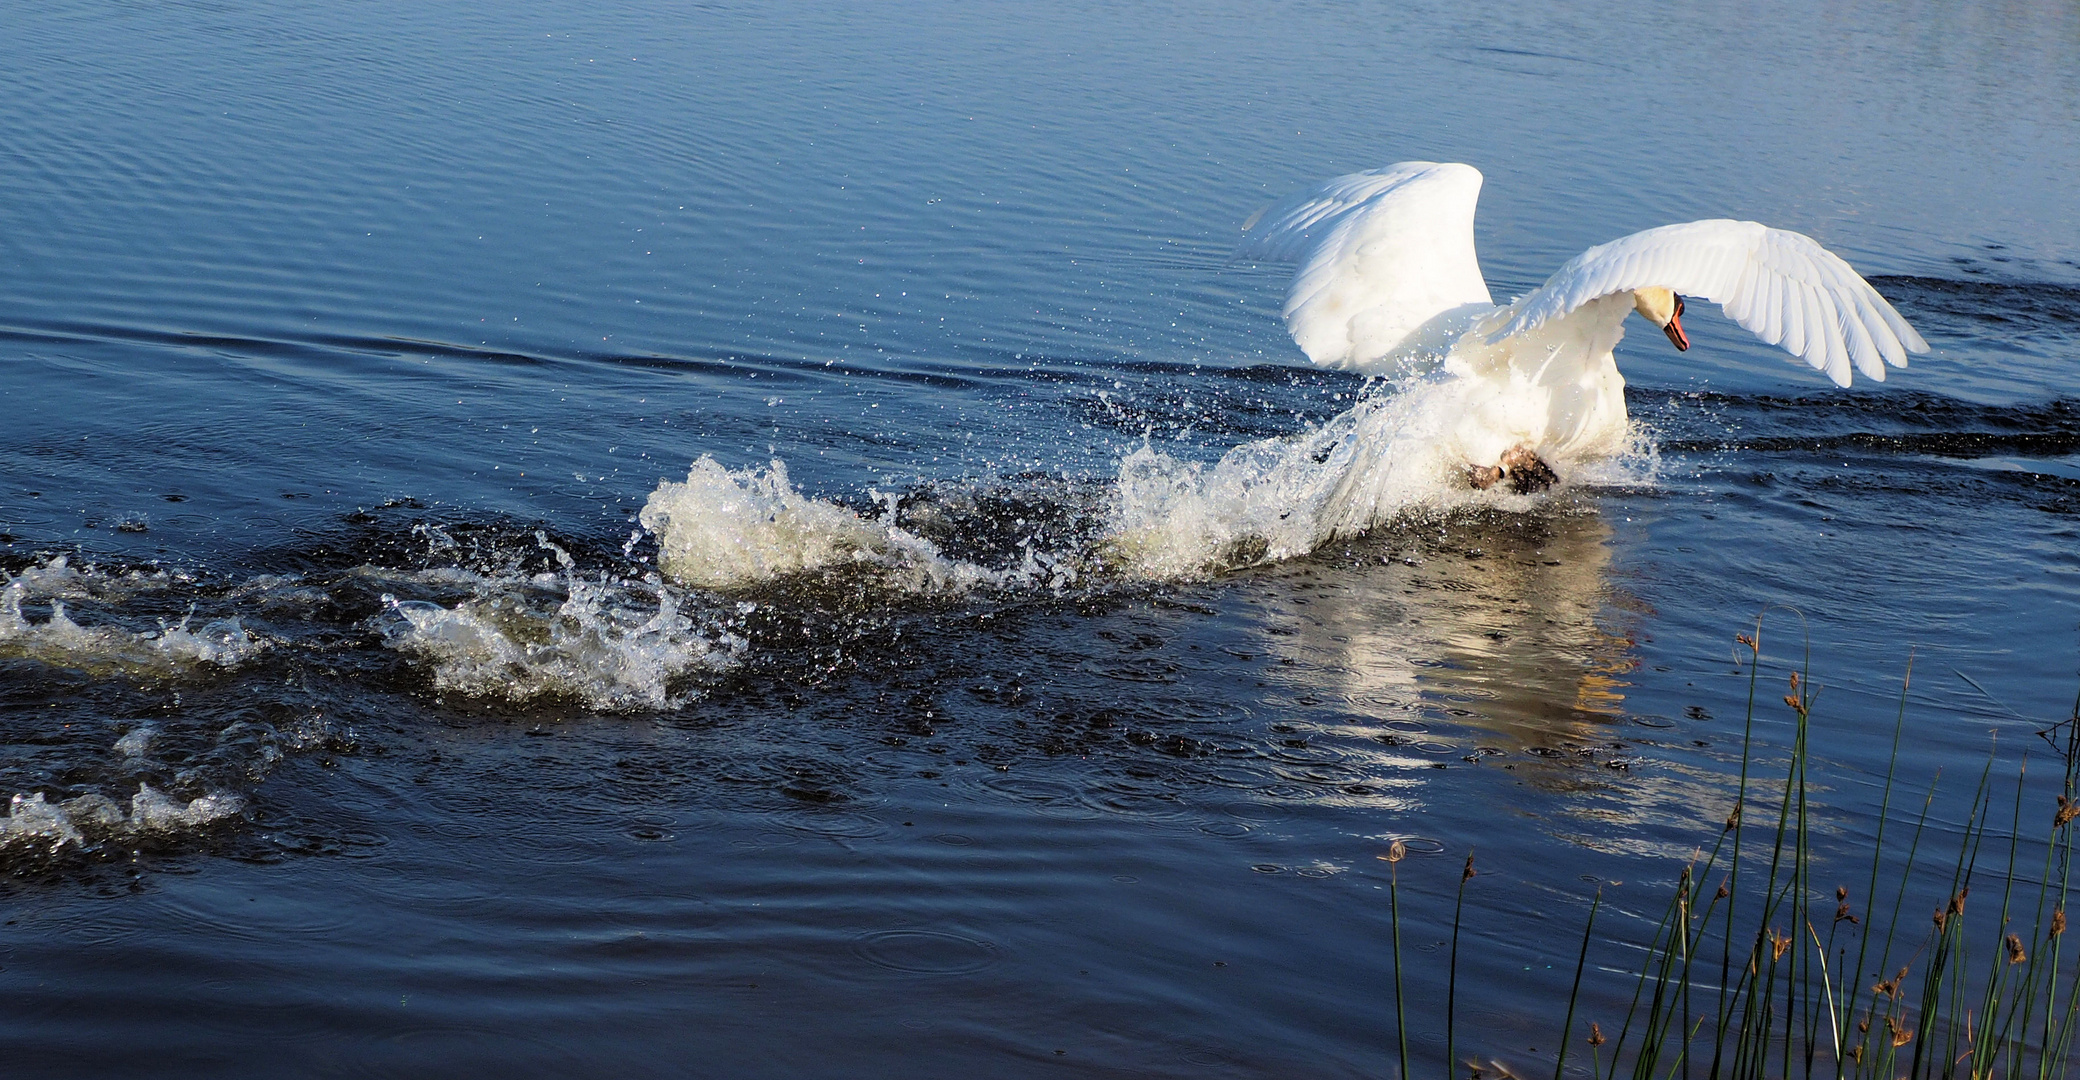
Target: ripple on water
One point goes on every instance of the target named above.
(261, 918)
(1140, 669)
(1417, 845)
(1223, 828)
(1050, 795)
(841, 825)
(1261, 813)
(925, 952)
(767, 840)
(1203, 708)
(561, 847)
(1332, 773)
(1120, 799)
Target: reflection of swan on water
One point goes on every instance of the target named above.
(1388, 275)
(1511, 616)
(1484, 632)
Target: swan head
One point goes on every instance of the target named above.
(1664, 309)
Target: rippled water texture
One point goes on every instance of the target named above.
(775, 540)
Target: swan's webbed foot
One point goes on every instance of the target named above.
(1520, 469)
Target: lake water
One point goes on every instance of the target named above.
(351, 727)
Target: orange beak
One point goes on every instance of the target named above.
(1674, 329)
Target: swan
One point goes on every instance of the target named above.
(1388, 277)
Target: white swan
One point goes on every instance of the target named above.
(1388, 275)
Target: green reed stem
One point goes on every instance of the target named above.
(1567, 1026)
(1451, 993)
(1394, 915)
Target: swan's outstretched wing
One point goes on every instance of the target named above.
(1386, 261)
(1782, 285)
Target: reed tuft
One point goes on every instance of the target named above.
(1743, 985)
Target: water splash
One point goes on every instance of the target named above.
(94, 819)
(725, 529)
(62, 642)
(614, 644)
(1392, 454)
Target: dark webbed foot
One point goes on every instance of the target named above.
(1526, 473)
(1521, 470)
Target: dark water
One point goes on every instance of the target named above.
(352, 728)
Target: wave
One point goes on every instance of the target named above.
(615, 644)
(60, 641)
(727, 529)
(1163, 517)
(95, 819)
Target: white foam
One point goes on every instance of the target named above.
(725, 528)
(1391, 454)
(1386, 457)
(60, 641)
(154, 811)
(1280, 498)
(97, 818)
(599, 643)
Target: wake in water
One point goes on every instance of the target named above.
(599, 641)
(1163, 518)
(746, 570)
(58, 639)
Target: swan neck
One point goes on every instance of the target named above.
(1657, 305)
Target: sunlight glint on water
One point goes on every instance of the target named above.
(568, 538)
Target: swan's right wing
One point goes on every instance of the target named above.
(1781, 285)
(1387, 265)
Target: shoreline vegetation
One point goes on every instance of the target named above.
(1756, 971)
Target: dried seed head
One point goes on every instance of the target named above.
(1841, 914)
(1468, 872)
(1745, 640)
(1957, 902)
(1856, 1052)
(1733, 819)
(1863, 1026)
(1792, 700)
(1398, 852)
(1595, 1034)
(2058, 922)
(1725, 889)
(1900, 1036)
(1941, 918)
(1841, 892)
(1777, 944)
(2068, 809)
(1794, 682)
(2015, 953)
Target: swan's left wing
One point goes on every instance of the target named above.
(1386, 258)
(1781, 285)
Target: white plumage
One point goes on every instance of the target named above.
(1388, 274)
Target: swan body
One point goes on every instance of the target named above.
(1388, 276)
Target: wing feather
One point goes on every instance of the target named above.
(1780, 285)
(1799, 299)
(1387, 264)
